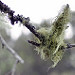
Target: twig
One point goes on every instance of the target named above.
(68, 46)
(34, 43)
(13, 18)
(11, 50)
(31, 28)
(12, 72)
(14, 67)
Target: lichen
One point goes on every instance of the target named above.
(53, 38)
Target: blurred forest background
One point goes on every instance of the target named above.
(33, 64)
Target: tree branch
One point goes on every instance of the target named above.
(13, 18)
(11, 50)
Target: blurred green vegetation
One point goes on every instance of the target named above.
(33, 64)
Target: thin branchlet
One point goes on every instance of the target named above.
(69, 46)
(34, 43)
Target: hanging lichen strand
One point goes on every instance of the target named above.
(52, 40)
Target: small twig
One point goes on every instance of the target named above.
(34, 43)
(11, 50)
(14, 67)
(68, 46)
(12, 72)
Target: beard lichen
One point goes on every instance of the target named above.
(52, 41)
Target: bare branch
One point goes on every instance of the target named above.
(14, 68)
(33, 30)
(13, 18)
(12, 72)
(11, 50)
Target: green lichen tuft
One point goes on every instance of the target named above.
(52, 39)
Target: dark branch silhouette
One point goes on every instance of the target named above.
(34, 43)
(13, 18)
(70, 46)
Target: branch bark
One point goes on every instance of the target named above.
(13, 18)
(11, 50)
